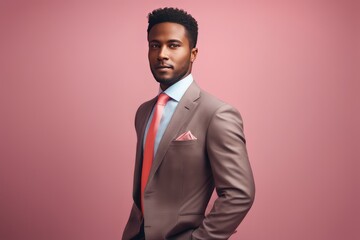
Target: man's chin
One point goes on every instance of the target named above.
(166, 81)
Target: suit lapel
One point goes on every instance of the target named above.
(182, 113)
(143, 116)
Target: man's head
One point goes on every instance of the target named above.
(172, 37)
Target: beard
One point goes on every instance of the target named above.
(169, 81)
(166, 81)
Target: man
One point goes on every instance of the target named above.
(188, 143)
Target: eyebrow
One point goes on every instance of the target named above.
(169, 41)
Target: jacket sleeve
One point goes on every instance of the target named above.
(232, 175)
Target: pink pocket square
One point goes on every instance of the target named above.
(186, 136)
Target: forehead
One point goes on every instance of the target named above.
(167, 31)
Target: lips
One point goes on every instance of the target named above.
(163, 67)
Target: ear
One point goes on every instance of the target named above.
(194, 52)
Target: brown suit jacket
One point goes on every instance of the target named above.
(184, 173)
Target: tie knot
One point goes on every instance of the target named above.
(162, 99)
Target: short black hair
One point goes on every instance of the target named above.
(175, 15)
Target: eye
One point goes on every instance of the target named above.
(174, 45)
(154, 45)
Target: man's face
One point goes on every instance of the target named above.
(170, 55)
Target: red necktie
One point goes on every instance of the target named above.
(149, 143)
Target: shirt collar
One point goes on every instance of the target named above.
(178, 89)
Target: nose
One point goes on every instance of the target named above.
(163, 53)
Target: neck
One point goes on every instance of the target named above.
(164, 86)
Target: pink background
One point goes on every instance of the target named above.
(74, 72)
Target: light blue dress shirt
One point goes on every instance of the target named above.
(175, 92)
